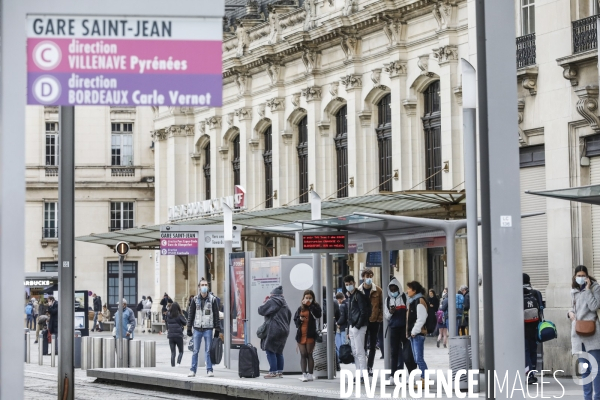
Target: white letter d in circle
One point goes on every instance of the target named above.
(46, 89)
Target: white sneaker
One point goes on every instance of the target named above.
(309, 377)
(210, 374)
(191, 374)
(177, 365)
(304, 378)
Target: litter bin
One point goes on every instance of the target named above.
(460, 357)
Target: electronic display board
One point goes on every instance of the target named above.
(323, 242)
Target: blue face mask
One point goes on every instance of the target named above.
(350, 288)
(394, 294)
(369, 281)
(204, 289)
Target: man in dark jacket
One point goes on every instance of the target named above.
(533, 302)
(278, 316)
(165, 300)
(375, 296)
(359, 310)
(341, 322)
(53, 323)
(394, 311)
(97, 304)
(204, 320)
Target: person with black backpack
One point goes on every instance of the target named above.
(394, 311)
(532, 300)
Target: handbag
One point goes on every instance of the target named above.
(584, 328)
(261, 332)
(319, 334)
(345, 350)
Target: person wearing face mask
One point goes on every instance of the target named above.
(306, 323)
(203, 320)
(394, 312)
(415, 325)
(359, 311)
(375, 296)
(585, 300)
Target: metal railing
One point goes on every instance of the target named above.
(51, 171)
(49, 233)
(525, 50)
(584, 34)
(120, 171)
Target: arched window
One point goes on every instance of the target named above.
(341, 150)
(303, 160)
(384, 141)
(236, 160)
(433, 137)
(268, 160)
(206, 168)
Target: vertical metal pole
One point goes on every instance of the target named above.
(228, 241)
(119, 317)
(315, 213)
(451, 264)
(500, 185)
(470, 155)
(12, 193)
(52, 347)
(201, 269)
(41, 349)
(330, 316)
(28, 347)
(385, 282)
(66, 252)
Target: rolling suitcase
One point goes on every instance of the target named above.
(248, 364)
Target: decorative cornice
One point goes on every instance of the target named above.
(229, 118)
(442, 12)
(202, 127)
(446, 54)
(180, 130)
(520, 112)
(350, 46)
(213, 122)
(588, 105)
(311, 59)
(395, 68)
(334, 89)
(458, 94)
(242, 80)
(376, 76)
(350, 7)
(351, 82)
(223, 150)
(243, 113)
(528, 77)
(296, 99)
(159, 134)
(570, 72)
(365, 118)
(310, 7)
(276, 104)
(312, 93)
(261, 109)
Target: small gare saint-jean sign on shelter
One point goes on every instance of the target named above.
(124, 61)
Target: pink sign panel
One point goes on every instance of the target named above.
(115, 61)
(179, 243)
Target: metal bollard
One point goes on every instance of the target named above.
(149, 354)
(28, 347)
(135, 354)
(25, 354)
(77, 356)
(125, 353)
(86, 353)
(41, 349)
(96, 352)
(52, 352)
(108, 351)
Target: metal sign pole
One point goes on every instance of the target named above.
(120, 316)
(66, 253)
(315, 213)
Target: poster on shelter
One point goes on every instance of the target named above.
(238, 298)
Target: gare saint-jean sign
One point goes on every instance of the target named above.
(124, 61)
(208, 207)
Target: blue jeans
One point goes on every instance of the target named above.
(418, 344)
(591, 391)
(30, 322)
(340, 339)
(95, 319)
(275, 362)
(198, 335)
(530, 354)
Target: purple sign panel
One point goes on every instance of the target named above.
(179, 243)
(113, 61)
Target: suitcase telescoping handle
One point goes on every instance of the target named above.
(245, 331)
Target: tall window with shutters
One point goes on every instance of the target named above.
(236, 160)
(121, 144)
(527, 17)
(384, 141)
(268, 161)
(341, 150)
(206, 169)
(433, 139)
(52, 143)
(302, 149)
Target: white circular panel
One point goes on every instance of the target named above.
(301, 276)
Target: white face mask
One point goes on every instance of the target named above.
(580, 280)
(369, 281)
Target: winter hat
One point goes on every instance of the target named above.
(143, 297)
(526, 280)
(277, 290)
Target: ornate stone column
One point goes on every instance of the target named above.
(401, 140)
(356, 164)
(312, 95)
(275, 107)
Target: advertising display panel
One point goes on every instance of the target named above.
(238, 298)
